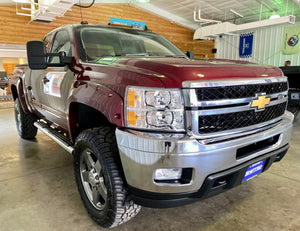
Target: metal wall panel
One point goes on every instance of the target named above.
(267, 45)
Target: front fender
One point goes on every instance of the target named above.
(21, 96)
(101, 98)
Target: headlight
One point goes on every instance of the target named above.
(154, 108)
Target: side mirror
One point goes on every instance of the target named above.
(36, 55)
(190, 54)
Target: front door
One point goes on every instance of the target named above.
(51, 86)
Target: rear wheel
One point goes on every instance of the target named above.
(99, 178)
(24, 122)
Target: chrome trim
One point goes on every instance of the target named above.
(68, 148)
(218, 111)
(190, 99)
(230, 82)
(228, 134)
(141, 155)
(233, 135)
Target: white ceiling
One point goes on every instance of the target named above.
(182, 11)
(220, 10)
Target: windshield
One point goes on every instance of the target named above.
(111, 42)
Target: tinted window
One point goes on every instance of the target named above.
(106, 42)
(61, 43)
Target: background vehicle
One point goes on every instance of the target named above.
(293, 74)
(18, 72)
(147, 125)
(3, 80)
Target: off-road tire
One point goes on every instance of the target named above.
(99, 146)
(24, 122)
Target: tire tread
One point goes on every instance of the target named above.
(28, 130)
(123, 209)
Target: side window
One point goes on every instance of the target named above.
(61, 43)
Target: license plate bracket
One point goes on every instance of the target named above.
(253, 170)
(295, 96)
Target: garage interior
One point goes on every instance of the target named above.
(37, 186)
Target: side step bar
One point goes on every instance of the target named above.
(60, 139)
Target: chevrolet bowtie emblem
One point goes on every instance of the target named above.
(261, 102)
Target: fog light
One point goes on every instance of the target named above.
(167, 174)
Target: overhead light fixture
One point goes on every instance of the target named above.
(21, 1)
(274, 15)
(143, 1)
(42, 12)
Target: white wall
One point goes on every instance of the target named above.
(13, 50)
(267, 43)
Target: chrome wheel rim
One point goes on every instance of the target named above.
(92, 179)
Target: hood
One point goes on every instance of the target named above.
(173, 71)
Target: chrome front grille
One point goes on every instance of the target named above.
(223, 108)
(229, 121)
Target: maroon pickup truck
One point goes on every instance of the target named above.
(147, 125)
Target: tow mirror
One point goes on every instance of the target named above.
(36, 55)
(190, 54)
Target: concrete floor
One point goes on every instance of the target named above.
(38, 192)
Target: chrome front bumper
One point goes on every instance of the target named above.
(141, 155)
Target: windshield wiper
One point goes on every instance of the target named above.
(139, 54)
(177, 56)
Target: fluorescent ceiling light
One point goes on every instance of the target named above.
(143, 0)
(274, 15)
(20, 1)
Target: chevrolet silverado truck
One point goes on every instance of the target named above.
(147, 125)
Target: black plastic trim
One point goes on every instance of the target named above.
(214, 184)
(256, 147)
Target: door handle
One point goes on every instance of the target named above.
(45, 80)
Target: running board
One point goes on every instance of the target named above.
(60, 139)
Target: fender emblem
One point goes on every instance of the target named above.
(261, 102)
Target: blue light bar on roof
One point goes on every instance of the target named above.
(135, 24)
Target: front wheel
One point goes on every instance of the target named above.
(99, 178)
(24, 122)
